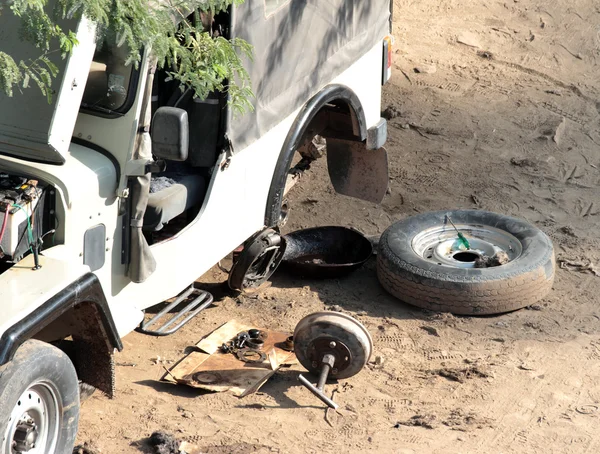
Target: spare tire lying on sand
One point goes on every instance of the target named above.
(508, 264)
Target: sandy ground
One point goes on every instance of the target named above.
(506, 121)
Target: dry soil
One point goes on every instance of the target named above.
(493, 105)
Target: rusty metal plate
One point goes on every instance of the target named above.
(212, 370)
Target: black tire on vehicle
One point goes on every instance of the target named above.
(40, 386)
(414, 279)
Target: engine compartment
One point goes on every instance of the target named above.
(26, 217)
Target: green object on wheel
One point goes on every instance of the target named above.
(464, 241)
(461, 237)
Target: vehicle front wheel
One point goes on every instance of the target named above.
(39, 401)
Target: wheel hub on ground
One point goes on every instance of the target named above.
(331, 344)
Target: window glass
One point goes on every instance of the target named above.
(108, 83)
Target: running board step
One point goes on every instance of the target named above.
(202, 300)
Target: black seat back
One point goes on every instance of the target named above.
(205, 118)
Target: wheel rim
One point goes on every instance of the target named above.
(441, 245)
(33, 424)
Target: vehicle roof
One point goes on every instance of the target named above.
(298, 48)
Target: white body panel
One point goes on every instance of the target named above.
(86, 198)
(237, 199)
(234, 209)
(73, 85)
(21, 288)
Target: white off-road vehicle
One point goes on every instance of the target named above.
(122, 191)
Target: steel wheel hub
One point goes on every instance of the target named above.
(33, 423)
(441, 245)
(336, 334)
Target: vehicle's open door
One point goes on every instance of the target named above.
(31, 128)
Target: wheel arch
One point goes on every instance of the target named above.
(356, 129)
(80, 310)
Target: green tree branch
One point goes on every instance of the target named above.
(179, 42)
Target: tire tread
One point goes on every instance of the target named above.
(464, 295)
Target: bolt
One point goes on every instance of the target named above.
(332, 344)
(315, 364)
(334, 371)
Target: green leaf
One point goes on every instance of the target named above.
(191, 55)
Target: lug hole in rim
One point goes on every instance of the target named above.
(466, 256)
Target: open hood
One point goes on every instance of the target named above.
(30, 127)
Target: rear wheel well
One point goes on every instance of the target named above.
(335, 112)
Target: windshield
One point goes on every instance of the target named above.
(110, 82)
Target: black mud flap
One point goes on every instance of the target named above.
(356, 171)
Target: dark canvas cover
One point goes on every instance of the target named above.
(299, 46)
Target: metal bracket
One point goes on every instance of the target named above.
(141, 167)
(228, 151)
(123, 193)
(156, 166)
(377, 135)
(197, 305)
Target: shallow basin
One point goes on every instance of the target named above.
(325, 252)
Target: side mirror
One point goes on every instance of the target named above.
(170, 134)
